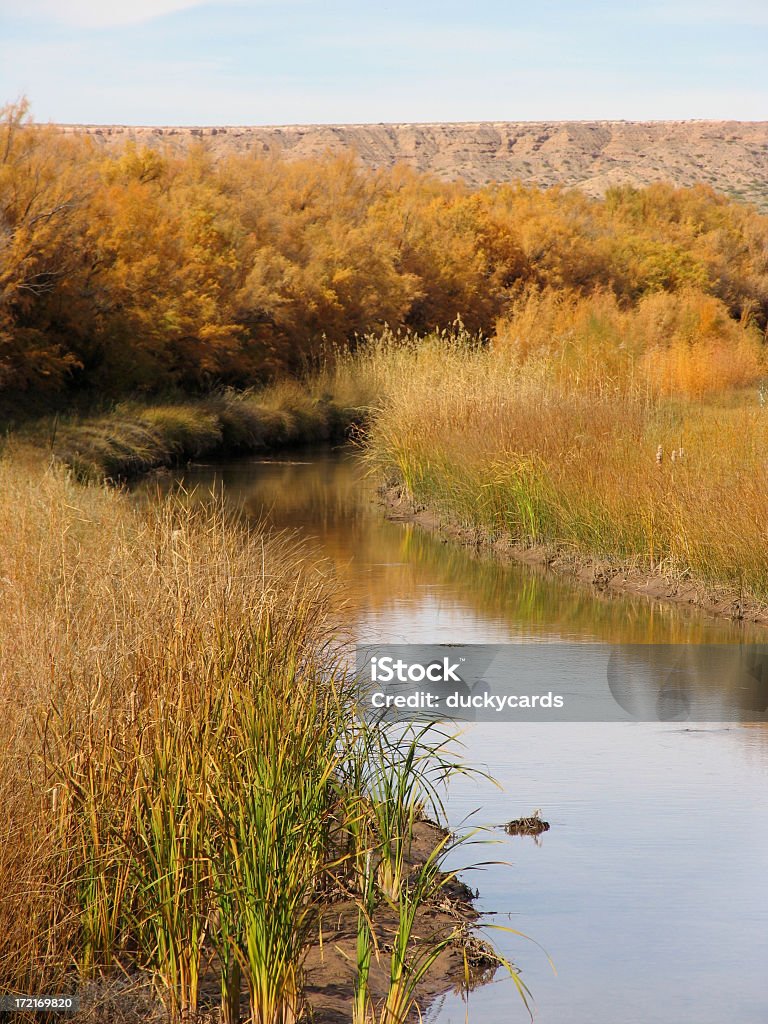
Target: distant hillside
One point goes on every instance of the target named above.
(732, 156)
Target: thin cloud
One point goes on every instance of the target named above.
(100, 13)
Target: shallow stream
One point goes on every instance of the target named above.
(649, 891)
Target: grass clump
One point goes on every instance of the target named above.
(135, 438)
(632, 435)
(185, 776)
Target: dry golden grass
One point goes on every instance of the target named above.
(184, 772)
(547, 437)
(672, 344)
(136, 437)
(104, 611)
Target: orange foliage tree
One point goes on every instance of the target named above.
(145, 269)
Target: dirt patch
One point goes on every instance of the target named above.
(604, 576)
(331, 965)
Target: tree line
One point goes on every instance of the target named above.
(142, 270)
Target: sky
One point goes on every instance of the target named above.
(349, 61)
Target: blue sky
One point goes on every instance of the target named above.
(300, 61)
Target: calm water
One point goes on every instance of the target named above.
(649, 893)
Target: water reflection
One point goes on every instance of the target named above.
(399, 579)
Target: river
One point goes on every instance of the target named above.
(649, 891)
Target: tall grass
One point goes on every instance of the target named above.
(684, 344)
(590, 431)
(405, 768)
(186, 779)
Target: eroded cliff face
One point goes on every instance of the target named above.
(732, 156)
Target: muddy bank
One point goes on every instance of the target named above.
(603, 575)
(331, 965)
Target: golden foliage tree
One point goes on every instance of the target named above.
(145, 269)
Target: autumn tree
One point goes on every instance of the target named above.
(44, 185)
(143, 269)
